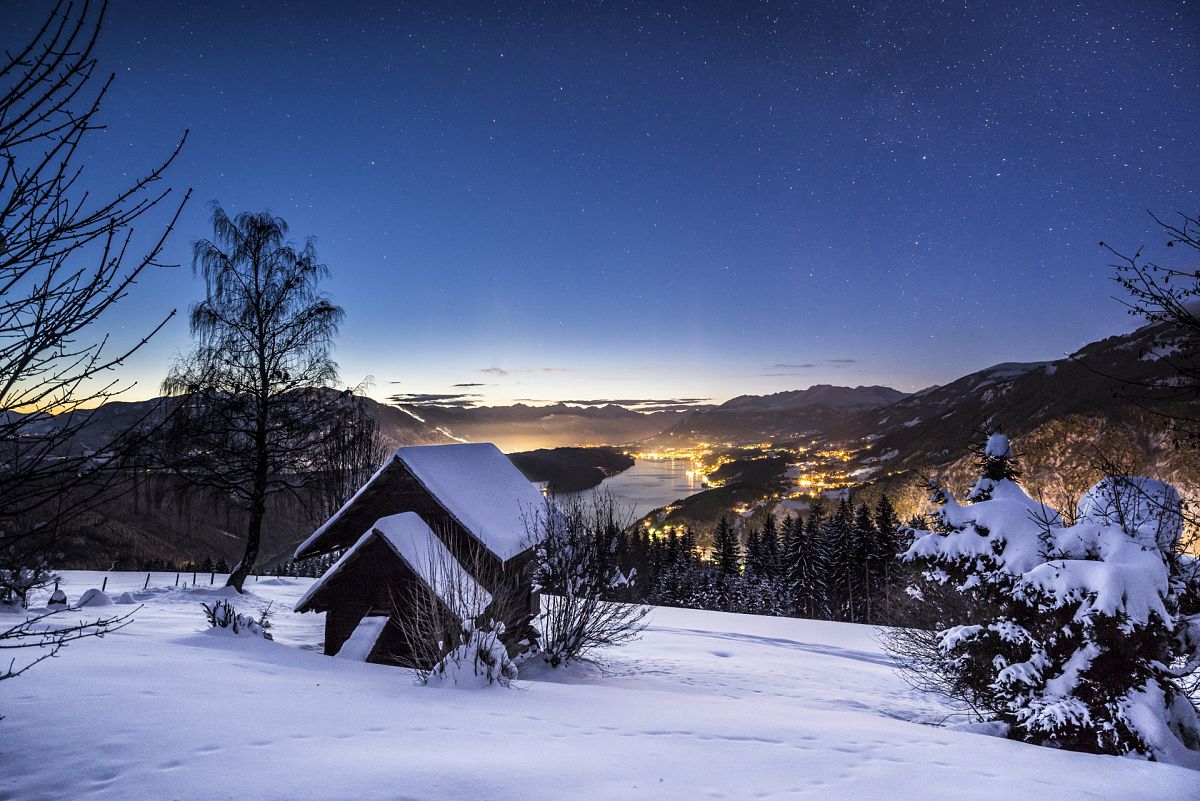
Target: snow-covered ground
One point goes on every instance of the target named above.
(706, 705)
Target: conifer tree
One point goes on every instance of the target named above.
(725, 548)
(886, 555)
(996, 463)
(1077, 637)
(687, 545)
(770, 548)
(789, 558)
(808, 567)
(839, 545)
(754, 560)
(864, 552)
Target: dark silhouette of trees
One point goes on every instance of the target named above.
(256, 403)
(67, 256)
(348, 456)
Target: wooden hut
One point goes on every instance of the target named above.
(477, 516)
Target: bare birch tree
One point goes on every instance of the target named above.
(255, 388)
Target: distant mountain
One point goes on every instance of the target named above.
(522, 427)
(782, 415)
(105, 422)
(818, 395)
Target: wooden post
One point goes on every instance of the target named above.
(193, 578)
(103, 585)
(147, 584)
(176, 579)
(212, 579)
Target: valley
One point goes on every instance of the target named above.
(743, 459)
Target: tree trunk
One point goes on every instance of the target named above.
(258, 496)
(242, 569)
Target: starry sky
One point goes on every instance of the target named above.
(551, 201)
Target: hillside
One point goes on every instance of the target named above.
(571, 469)
(783, 415)
(1066, 418)
(704, 705)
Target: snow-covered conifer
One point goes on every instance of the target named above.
(996, 462)
(1082, 636)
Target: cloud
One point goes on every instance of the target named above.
(638, 401)
(667, 407)
(469, 385)
(645, 405)
(457, 400)
(500, 371)
(793, 369)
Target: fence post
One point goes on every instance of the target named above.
(212, 579)
(176, 579)
(147, 584)
(103, 585)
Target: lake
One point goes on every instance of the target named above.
(650, 483)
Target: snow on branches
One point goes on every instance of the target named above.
(1081, 638)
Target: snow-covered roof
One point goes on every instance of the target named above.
(474, 482)
(425, 554)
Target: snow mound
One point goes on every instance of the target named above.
(1148, 506)
(95, 597)
(480, 661)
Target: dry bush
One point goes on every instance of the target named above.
(577, 567)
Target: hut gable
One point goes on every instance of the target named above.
(423, 553)
(474, 485)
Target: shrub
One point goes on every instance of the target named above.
(480, 659)
(577, 567)
(222, 615)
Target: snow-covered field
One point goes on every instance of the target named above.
(706, 705)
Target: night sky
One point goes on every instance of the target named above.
(580, 201)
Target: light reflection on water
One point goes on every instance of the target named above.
(650, 483)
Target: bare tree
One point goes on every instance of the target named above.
(67, 256)
(255, 391)
(577, 567)
(348, 456)
(1169, 296)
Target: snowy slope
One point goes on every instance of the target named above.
(706, 705)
